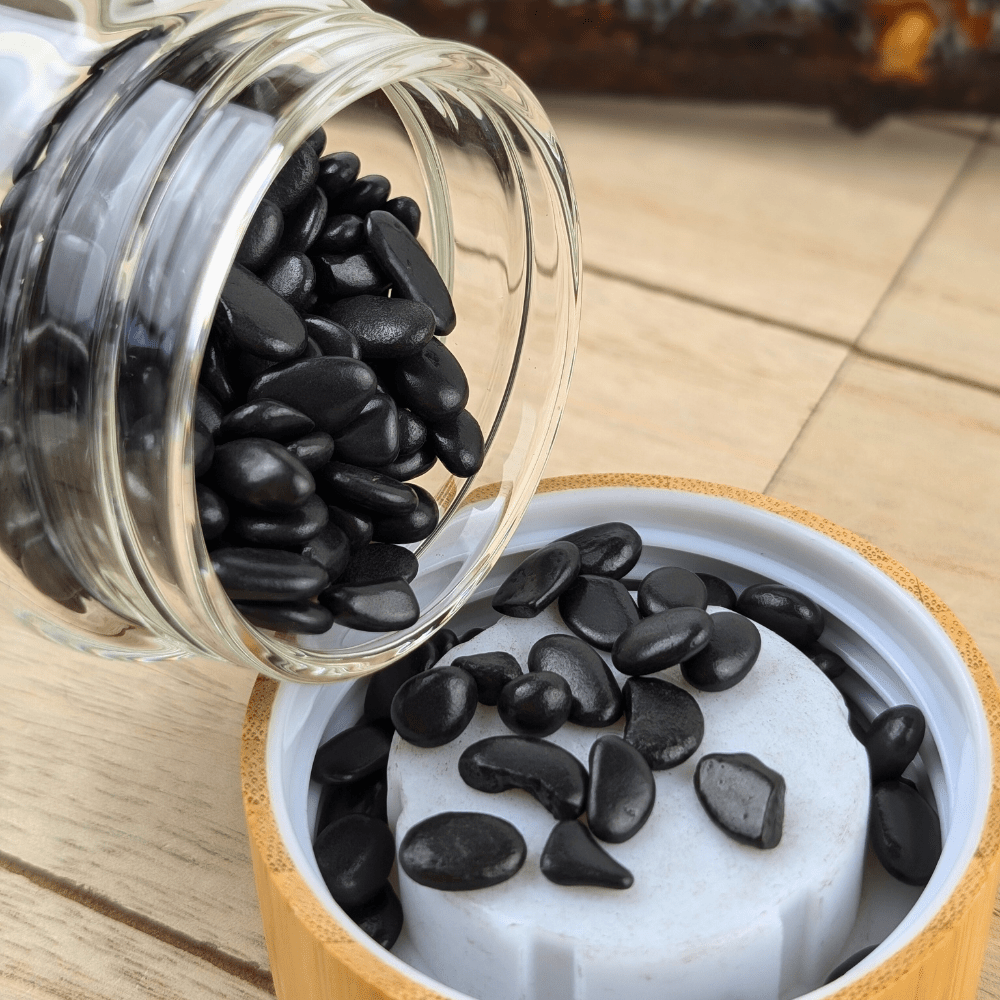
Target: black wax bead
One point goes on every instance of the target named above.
(354, 523)
(207, 410)
(372, 438)
(262, 237)
(412, 527)
(288, 530)
(292, 276)
(893, 741)
(214, 374)
(352, 754)
(317, 139)
(458, 442)
(385, 328)
(431, 383)
(461, 851)
(610, 549)
(330, 549)
(535, 704)
(849, 963)
(470, 634)
(381, 918)
(366, 488)
(295, 178)
(261, 474)
(671, 587)
(622, 790)
(312, 450)
(598, 609)
(410, 466)
(342, 233)
(333, 391)
(434, 707)
(571, 856)
(355, 855)
(342, 274)
(904, 832)
(597, 699)
(374, 607)
(203, 448)
(304, 225)
(366, 796)
(729, 656)
(407, 211)
(300, 617)
(544, 770)
(382, 686)
(364, 195)
(265, 418)
(411, 271)
(743, 797)
(538, 581)
(337, 172)
(827, 660)
(663, 722)
(333, 339)
(377, 562)
(787, 612)
(720, 594)
(661, 641)
(412, 431)
(212, 512)
(442, 641)
(491, 671)
(248, 574)
(257, 319)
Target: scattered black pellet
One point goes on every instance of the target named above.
(295, 178)
(538, 580)
(663, 722)
(342, 234)
(303, 226)
(204, 449)
(849, 963)
(262, 474)
(257, 319)
(353, 754)
(262, 237)
(355, 855)
(893, 741)
(363, 195)
(367, 488)
(213, 512)
(380, 561)
(458, 442)
(337, 172)
(827, 660)
(407, 211)
(904, 832)
(367, 796)
(598, 609)
(728, 657)
(317, 139)
(333, 339)
(491, 671)
(342, 274)
(292, 276)
(412, 431)
(571, 856)
(535, 704)
(265, 418)
(215, 374)
(431, 382)
(622, 790)
(461, 851)
(312, 450)
(250, 574)
(610, 549)
(355, 524)
(384, 328)
(661, 641)
(300, 617)
(410, 466)
(596, 697)
(288, 530)
(373, 607)
(545, 770)
(372, 438)
(412, 527)
(381, 918)
(787, 612)
(433, 707)
(207, 410)
(382, 686)
(743, 797)
(671, 587)
(720, 594)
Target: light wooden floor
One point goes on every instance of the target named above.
(770, 302)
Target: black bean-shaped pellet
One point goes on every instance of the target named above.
(377, 562)
(661, 641)
(203, 449)
(355, 855)
(431, 383)
(598, 609)
(330, 549)
(412, 431)
(257, 319)
(893, 741)
(442, 640)
(720, 594)
(432, 708)
(597, 699)
(787, 612)
(342, 233)
(312, 450)
(337, 172)
(385, 328)
(410, 466)
(352, 754)
(411, 271)
(317, 139)
(292, 276)
(341, 274)
(535, 704)
(381, 918)
(355, 523)
(458, 442)
(412, 527)
(491, 671)
(295, 178)
(214, 374)
(333, 339)
(458, 851)
(305, 223)
(622, 790)
(261, 473)
(663, 722)
(671, 587)
(407, 211)
(743, 797)
(262, 237)
(373, 607)
(571, 856)
(288, 530)
(538, 581)
(832, 664)
(729, 656)
(300, 617)
(367, 796)
(904, 832)
(544, 770)
(610, 549)
(366, 488)
(265, 418)
(249, 574)
(213, 512)
(849, 963)
(382, 686)
(372, 438)
(207, 410)
(363, 196)
(470, 634)
(332, 391)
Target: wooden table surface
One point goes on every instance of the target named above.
(769, 302)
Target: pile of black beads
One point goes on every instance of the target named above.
(325, 388)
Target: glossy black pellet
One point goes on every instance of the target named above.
(622, 790)
(458, 442)
(262, 474)
(743, 797)
(385, 328)
(337, 172)
(671, 587)
(538, 580)
(257, 319)
(214, 374)
(432, 708)
(381, 918)
(317, 140)
(363, 196)
(366, 796)
(289, 530)
(412, 431)
(353, 754)
(292, 276)
(207, 410)
(342, 234)
(893, 741)
(265, 418)
(330, 549)
(783, 610)
(355, 855)
(333, 339)
(729, 656)
(301, 618)
(305, 223)
(354, 523)
(382, 686)
(571, 856)
(295, 178)
(904, 832)
(262, 237)
(535, 704)
(203, 448)
(412, 527)
(250, 574)
(376, 607)
(720, 594)
(598, 609)
(377, 562)
(407, 211)
(827, 660)
(663, 722)
(610, 549)
(345, 274)
(372, 438)
(596, 697)
(661, 641)
(366, 488)
(491, 671)
(213, 512)
(849, 963)
(312, 450)
(431, 383)
(411, 466)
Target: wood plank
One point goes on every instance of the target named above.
(667, 386)
(776, 211)
(123, 778)
(944, 312)
(55, 949)
(909, 460)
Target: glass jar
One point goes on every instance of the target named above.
(132, 163)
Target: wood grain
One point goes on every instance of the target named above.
(53, 949)
(772, 210)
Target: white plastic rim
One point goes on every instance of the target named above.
(890, 639)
